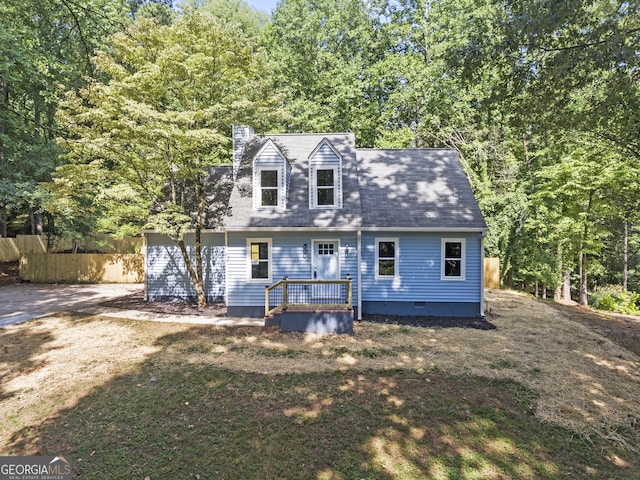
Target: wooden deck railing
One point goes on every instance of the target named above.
(307, 293)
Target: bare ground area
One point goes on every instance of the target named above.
(9, 273)
(584, 367)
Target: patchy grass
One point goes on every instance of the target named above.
(538, 397)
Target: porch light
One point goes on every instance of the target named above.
(346, 250)
(304, 250)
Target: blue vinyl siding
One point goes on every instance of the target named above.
(419, 270)
(166, 272)
(288, 260)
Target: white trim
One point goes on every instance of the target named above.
(263, 148)
(359, 253)
(356, 228)
(146, 266)
(482, 277)
(326, 141)
(396, 260)
(313, 186)
(463, 259)
(325, 164)
(269, 242)
(226, 268)
(257, 197)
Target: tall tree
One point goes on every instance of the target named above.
(159, 115)
(43, 45)
(324, 52)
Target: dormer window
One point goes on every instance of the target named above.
(270, 170)
(326, 187)
(269, 186)
(325, 177)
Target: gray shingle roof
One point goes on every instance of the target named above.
(297, 148)
(416, 188)
(386, 189)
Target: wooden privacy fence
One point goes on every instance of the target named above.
(82, 268)
(12, 248)
(492, 272)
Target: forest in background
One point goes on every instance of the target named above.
(105, 102)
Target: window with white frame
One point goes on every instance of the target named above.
(387, 258)
(325, 187)
(259, 259)
(453, 259)
(269, 187)
(325, 191)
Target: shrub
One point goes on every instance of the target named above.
(614, 298)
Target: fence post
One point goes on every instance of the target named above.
(266, 301)
(285, 293)
(349, 290)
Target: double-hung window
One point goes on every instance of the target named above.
(453, 259)
(325, 190)
(326, 187)
(269, 188)
(259, 259)
(387, 258)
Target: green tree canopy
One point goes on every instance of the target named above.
(159, 117)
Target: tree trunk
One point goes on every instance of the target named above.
(582, 266)
(566, 286)
(196, 274)
(625, 255)
(4, 99)
(582, 256)
(202, 297)
(197, 281)
(3, 221)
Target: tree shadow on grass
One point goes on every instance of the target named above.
(20, 351)
(169, 418)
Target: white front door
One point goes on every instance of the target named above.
(326, 266)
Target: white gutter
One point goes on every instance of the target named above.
(359, 275)
(226, 271)
(144, 259)
(482, 277)
(360, 229)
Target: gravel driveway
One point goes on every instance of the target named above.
(24, 301)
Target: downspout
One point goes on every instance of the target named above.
(482, 275)
(358, 245)
(226, 271)
(144, 260)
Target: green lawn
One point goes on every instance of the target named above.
(138, 400)
(210, 423)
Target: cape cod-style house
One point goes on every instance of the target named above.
(320, 230)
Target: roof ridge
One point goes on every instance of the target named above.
(408, 149)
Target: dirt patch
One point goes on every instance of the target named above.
(177, 307)
(431, 322)
(623, 330)
(9, 273)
